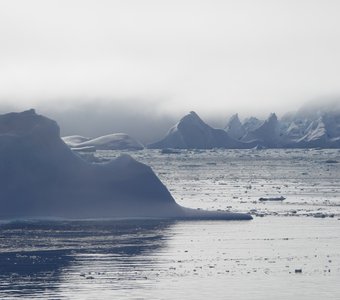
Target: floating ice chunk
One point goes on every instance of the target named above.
(170, 151)
(259, 147)
(281, 198)
(331, 161)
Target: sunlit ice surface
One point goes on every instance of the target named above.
(291, 250)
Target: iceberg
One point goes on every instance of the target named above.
(309, 127)
(40, 176)
(266, 133)
(235, 128)
(312, 126)
(115, 141)
(251, 123)
(74, 140)
(191, 132)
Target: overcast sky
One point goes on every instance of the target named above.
(169, 57)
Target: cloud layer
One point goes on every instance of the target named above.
(169, 57)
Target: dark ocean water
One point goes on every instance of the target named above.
(171, 260)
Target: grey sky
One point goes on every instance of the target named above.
(249, 56)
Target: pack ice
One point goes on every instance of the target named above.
(41, 177)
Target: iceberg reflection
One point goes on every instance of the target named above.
(38, 259)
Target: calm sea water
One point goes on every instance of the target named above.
(291, 250)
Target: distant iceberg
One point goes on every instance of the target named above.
(115, 141)
(311, 127)
(74, 140)
(266, 133)
(235, 128)
(307, 128)
(191, 132)
(41, 177)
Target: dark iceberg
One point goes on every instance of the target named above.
(191, 132)
(41, 177)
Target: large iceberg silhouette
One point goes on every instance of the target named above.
(41, 177)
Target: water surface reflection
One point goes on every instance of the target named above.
(37, 259)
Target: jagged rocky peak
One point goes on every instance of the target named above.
(235, 128)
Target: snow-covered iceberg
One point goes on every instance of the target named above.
(74, 140)
(311, 127)
(191, 132)
(115, 141)
(41, 177)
